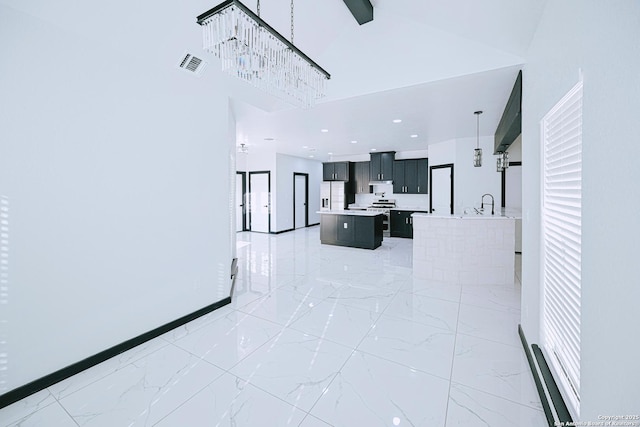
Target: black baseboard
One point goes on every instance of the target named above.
(291, 229)
(35, 386)
(282, 231)
(552, 388)
(562, 411)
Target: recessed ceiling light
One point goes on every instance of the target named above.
(374, 149)
(330, 154)
(324, 130)
(354, 142)
(311, 156)
(269, 139)
(397, 121)
(414, 136)
(304, 146)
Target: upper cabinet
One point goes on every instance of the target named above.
(362, 178)
(381, 166)
(410, 176)
(423, 176)
(337, 171)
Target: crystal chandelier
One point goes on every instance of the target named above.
(477, 152)
(252, 50)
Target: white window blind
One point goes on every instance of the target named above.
(562, 237)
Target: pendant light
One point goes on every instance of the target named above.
(503, 161)
(477, 153)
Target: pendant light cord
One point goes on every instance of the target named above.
(292, 22)
(477, 113)
(258, 13)
(478, 131)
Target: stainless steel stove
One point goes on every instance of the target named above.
(383, 206)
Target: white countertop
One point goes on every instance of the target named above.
(410, 208)
(351, 212)
(497, 216)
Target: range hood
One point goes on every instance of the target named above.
(380, 182)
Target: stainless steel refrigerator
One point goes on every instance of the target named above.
(333, 196)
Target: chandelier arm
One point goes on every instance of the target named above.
(203, 17)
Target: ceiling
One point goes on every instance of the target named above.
(431, 63)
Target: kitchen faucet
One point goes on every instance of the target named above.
(482, 202)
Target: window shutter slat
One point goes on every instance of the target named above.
(562, 242)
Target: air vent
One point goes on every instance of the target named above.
(192, 64)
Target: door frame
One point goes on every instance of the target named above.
(306, 198)
(431, 168)
(504, 182)
(243, 176)
(269, 190)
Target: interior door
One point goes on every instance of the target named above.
(441, 189)
(240, 200)
(260, 203)
(300, 214)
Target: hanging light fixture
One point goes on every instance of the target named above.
(252, 50)
(503, 161)
(477, 152)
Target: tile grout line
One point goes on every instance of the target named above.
(453, 357)
(353, 350)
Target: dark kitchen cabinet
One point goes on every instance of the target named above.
(351, 230)
(401, 223)
(410, 176)
(337, 171)
(423, 176)
(362, 178)
(346, 230)
(381, 166)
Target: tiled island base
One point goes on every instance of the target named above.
(465, 250)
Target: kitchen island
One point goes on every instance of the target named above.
(352, 228)
(464, 249)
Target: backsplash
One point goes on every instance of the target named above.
(402, 200)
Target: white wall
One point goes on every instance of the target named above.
(285, 168)
(599, 40)
(260, 162)
(282, 168)
(112, 189)
(515, 150)
(470, 182)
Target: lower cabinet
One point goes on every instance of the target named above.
(351, 230)
(401, 223)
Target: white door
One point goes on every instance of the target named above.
(441, 181)
(300, 201)
(240, 177)
(260, 204)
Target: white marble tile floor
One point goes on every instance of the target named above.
(316, 336)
